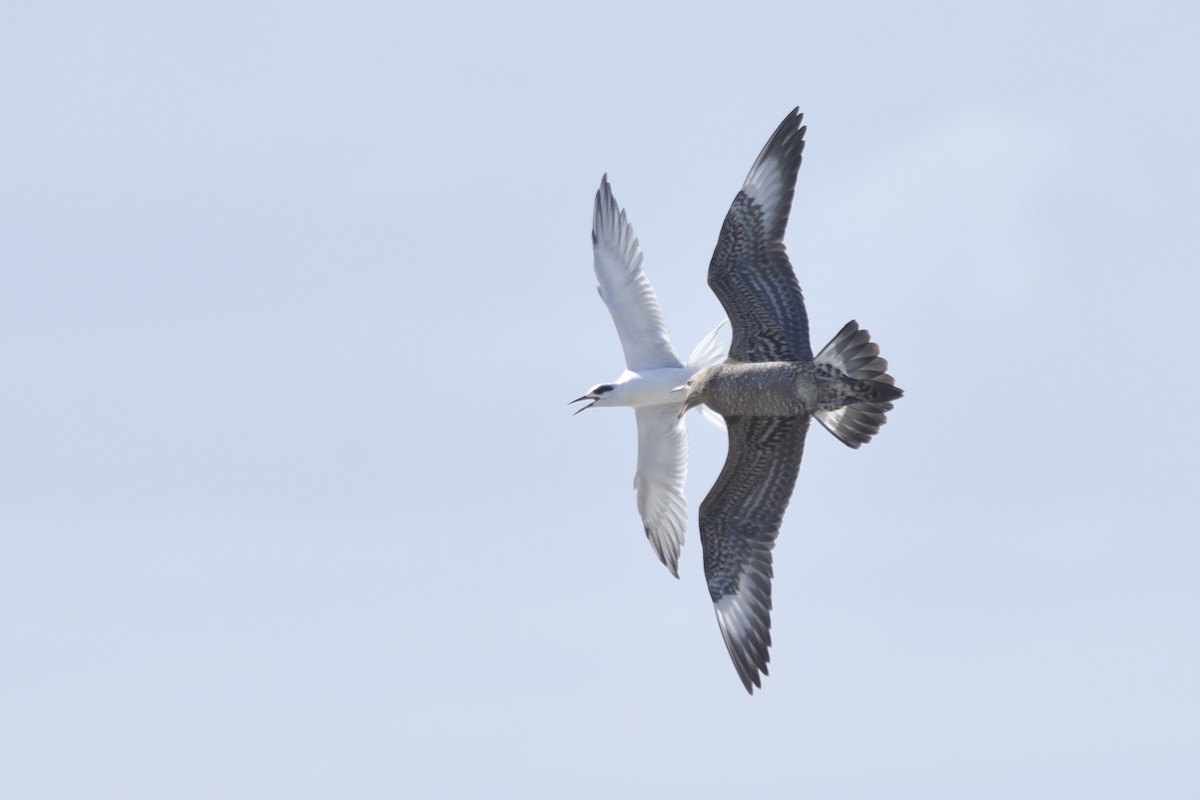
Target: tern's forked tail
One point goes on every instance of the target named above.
(708, 352)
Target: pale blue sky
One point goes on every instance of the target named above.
(292, 298)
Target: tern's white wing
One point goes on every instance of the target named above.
(661, 472)
(623, 287)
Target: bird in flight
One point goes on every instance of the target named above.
(768, 390)
(652, 372)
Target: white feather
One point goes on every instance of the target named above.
(661, 474)
(648, 384)
(625, 290)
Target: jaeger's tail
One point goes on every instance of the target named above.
(852, 353)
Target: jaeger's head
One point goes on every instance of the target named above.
(693, 391)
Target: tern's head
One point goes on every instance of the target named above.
(600, 395)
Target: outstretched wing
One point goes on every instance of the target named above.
(739, 521)
(661, 472)
(750, 272)
(624, 288)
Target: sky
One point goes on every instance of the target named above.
(292, 300)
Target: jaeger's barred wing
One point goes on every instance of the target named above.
(750, 272)
(739, 520)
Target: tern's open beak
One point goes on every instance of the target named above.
(593, 398)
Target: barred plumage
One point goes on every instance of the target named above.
(768, 390)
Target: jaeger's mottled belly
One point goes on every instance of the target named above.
(775, 389)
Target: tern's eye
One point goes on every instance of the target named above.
(602, 389)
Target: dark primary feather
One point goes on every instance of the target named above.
(750, 272)
(739, 521)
